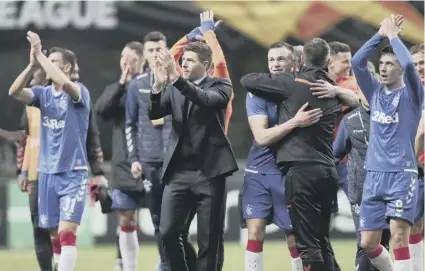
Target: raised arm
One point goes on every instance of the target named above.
(60, 79)
(268, 86)
(178, 49)
(366, 80)
(258, 121)
(216, 97)
(17, 90)
(411, 76)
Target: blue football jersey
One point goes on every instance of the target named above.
(261, 159)
(394, 114)
(63, 129)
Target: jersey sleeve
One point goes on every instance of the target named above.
(411, 76)
(177, 51)
(132, 119)
(367, 82)
(255, 106)
(84, 99)
(341, 144)
(38, 95)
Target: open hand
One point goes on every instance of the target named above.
(323, 89)
(207, 21)
(306, 118)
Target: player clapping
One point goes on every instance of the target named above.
(390, 189)
(64, 108)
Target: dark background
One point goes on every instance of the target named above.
(99, 52)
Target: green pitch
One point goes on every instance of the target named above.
(276, 258)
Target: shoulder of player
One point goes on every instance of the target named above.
(350, 116)
(217, 81)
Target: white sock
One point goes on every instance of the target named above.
(297, 264)
(129, 246)
(403, 265)
(381, 259)
(402, 260)
(253, 261)
(416, 254)
(56, 258)
(68, 258)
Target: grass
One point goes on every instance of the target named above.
(102, 258)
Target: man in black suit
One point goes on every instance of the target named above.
(198, 157)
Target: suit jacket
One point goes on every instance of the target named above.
(205, 117)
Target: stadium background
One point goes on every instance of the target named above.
(97, 31)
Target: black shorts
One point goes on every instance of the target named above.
(310, 192)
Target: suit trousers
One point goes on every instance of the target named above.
(311, 190)
(185, 191)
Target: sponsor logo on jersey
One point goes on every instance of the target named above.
(53, 123)
(380, 117)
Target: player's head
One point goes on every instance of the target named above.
(316, 53)
(38, 78)
(281, 58)
(390, 70)
(132, 56)
(340, 60)
(75, 75)
(417, 52)
(298, 51)
(153, 42)
(196, 60)
(63, 59)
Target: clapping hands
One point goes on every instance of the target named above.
(35, 42)
(165, 69)
(391, 26)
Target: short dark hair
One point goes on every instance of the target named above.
(417, 48)
(68, 56)
(387, 50)
(154, 36)
(339, 47)
(282, 44)
(202, 50)
(316, 52)
(73, 56)
(135, 46)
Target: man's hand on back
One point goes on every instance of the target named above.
(323, 89)
(306, 118)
